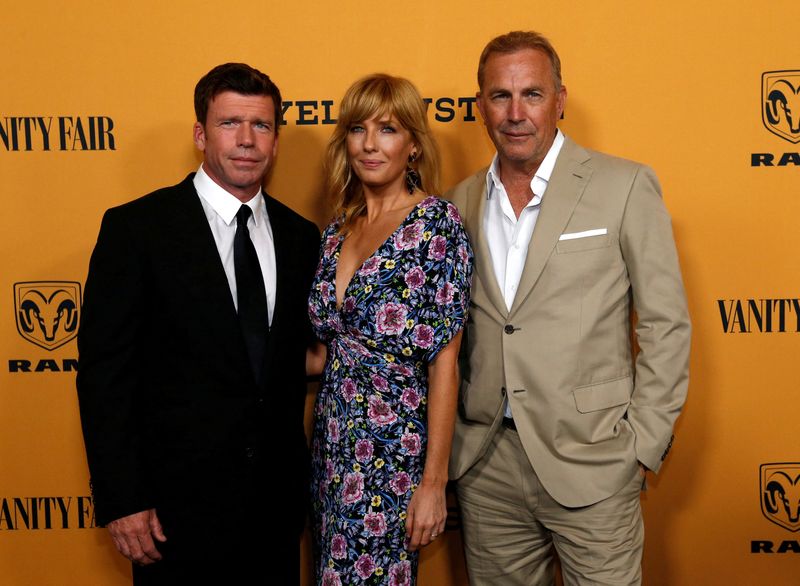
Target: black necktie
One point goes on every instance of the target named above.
(250, 292)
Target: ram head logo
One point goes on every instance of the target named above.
(47, 311)
(780, 494)
(780, 103)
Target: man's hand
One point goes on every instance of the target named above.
(133, 536)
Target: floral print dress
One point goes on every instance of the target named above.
(402, 306)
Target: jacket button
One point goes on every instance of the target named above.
(509, 329)
(249, 453)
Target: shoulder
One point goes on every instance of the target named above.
(439, 211)
(280, 212)
(462, 191)
(158, 203)
(603, 163)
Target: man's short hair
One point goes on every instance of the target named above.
(519, 41)
(239, 78)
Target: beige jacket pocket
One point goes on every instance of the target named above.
(603, 395)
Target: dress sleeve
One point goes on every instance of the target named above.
(449, 257)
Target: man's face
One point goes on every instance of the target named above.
(238, 140)
(520, 106)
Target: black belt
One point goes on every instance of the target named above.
(508, 423)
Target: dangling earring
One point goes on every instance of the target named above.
(412, 177)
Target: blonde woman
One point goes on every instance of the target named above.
(389, 300)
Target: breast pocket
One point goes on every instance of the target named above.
(582, 244)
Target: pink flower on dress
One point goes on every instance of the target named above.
(330, 577)
(365, 566)
(352, 488)
(411, 443)
(363, 450)
(324, 289)
(379, 411)
(462, 254)
(415, 278)
(423, 336)
(401, 369)
(452, 212)
(380, 383)
(400, 574)
(371, 265)
(375, 523)
(400, 483)
(437, 248)
(391, 318)
(349, 389)
(333, 430)
(330, 245)
(410, 398)
(444, 295)
(338, 547)
(409, 236)
(328, 471)
(350, 304)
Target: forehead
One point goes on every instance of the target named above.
(231, 103)
(529, 65)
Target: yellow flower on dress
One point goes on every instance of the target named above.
(372, 343)
(409, 323)
(403, 556)
(403, 516)
(350, 424)
(379, 463)
(356, 467)
(426, 235)
(379, 571)
(368, 289)
(388, 357)
(406, 293)
(376, 501)
(335, 364)
(359, 398)
(406, 351)
(337, 479)
(389, 264)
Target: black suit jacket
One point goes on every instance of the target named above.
(171, 413)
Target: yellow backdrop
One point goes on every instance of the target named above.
(96, 109)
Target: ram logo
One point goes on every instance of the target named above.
(780, 103)
(47, 311)
(780, 494)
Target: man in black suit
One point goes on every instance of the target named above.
(192, 357)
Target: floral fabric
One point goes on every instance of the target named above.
(402, 306)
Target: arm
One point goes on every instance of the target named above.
(107, 386)
(663, 331)
(315, 359)
(427, 510)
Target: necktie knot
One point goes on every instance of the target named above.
(243, 215)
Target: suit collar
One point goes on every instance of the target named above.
(564, 191)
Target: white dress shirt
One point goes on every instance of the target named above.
(220, 208)
(508, 236)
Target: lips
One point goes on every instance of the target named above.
(370, 163)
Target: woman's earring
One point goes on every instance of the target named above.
(412, 177)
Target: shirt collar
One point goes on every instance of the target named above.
(222, 202)
(540, 179)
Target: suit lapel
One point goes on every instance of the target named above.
(476, 210)
(203, 275)
(564, 190)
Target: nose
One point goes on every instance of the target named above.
(370, 140)
(515, 109)
(244, 136)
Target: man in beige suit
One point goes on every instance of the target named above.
(558, 424)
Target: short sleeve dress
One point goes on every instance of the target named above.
(402, 306)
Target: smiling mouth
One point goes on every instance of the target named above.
(370, 164)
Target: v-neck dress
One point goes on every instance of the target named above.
(402, 306)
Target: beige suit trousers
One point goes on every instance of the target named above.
(512, 526)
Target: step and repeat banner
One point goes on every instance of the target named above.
(96, 109)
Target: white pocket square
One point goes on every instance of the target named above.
(584, 234)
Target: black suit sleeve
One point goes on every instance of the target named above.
(108, 377)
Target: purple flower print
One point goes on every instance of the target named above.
(380, 413)
(390, 318)
(352, 488)
(437, 248)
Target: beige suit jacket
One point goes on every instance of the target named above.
(584, 410)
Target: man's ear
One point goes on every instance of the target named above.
(199, 136)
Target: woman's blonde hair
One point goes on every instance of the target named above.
(377, 94)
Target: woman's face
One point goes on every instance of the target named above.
(378, 151)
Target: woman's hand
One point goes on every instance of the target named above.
(427, 513)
